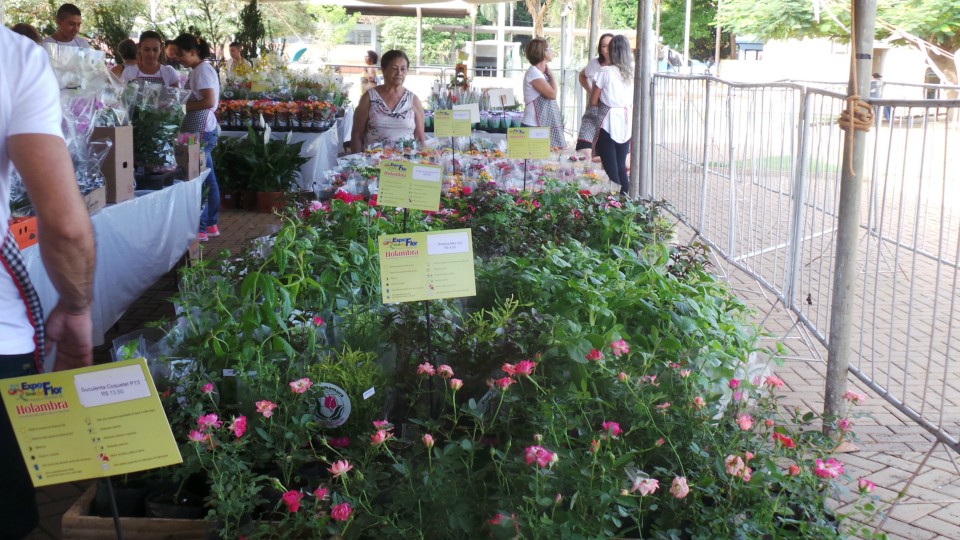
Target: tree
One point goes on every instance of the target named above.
(438, 47)
(252, 32)
(623, 14)
(113, 22)
(934, 21)
(538, 10)
(331, 24)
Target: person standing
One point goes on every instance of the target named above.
(148, 67)
(388, 112)
(68, 26)
(31, 140)
(368, 77)
(128, 54)
(590, 123)
(540, 93)
(236, 58)
(613, 95)
(201, 119)
(171, 55)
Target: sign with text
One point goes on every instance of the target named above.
(410, 185)
(528, 143)
(426, 266)
(473, 108)
(450, 123)
(89, 423)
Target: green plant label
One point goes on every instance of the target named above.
(528, 143)
(410, 185)
(450, 123)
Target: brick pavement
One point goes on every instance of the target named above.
(890, 446)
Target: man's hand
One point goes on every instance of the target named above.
(72, 334)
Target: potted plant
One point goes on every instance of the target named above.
(268, 167)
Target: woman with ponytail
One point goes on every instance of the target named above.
(612, 94)
(204, 86)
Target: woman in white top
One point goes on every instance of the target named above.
(590, 123)
(540, 93)
(148, 67)
(201, 119)
(613, 95)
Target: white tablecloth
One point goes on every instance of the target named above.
(137, 242)
(321, 148)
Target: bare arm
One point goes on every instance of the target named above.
(207, 99)
(583, 80)
(419, 132)
(66, 242)
(546, 90)
(595, 95)
(359, 124)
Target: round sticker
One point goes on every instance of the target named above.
(333, 408)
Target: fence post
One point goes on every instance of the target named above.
(841, 308)
(704, 162)
(797, 197)
(731, 155)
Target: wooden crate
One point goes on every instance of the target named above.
(78, 524)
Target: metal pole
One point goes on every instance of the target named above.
(716, 45)
(594, 33)
(640, 154)
(419, 38)
(686, 39)
(501, 36)
(841, 309)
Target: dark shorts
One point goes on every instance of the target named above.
(18, 503)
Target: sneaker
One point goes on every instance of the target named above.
(202, 236)
(212, 231)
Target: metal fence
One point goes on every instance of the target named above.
(755, 171)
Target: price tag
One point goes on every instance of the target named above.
(111, 386)
(528, 143)
(452, 123)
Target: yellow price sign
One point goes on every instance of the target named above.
(410, 185)
(426, 266)
(528, 143)
(452, 123)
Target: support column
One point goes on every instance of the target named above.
(640, 153)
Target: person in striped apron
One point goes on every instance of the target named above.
(613, 93)
(204, 86)
(540, 93)
(31, 140)
(148, 67)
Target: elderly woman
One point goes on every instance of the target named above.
(148, 67)
(388, 112)
(540, 93)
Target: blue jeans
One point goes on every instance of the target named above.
(210, 212)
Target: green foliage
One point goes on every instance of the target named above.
(258, 165)
(113, 22)
(438, 47)
(252, 32)
(331, 24)
(40, 15)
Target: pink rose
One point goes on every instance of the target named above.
(773, 381)
(456, 384)
(745, 421)
(794, 470)
(619, 348)
(321, 493)
(266, 408)
(787, 442)
(844, 424)
(866, 486)
(300, 386)
(623, 377)
(208, 421)
(679, 488)
(445, 371)
(594, 355)
(539, 455)
(684, 373)
(509, 369)
(317, 321)
(207, 388)
(698, 403)
(594, 446)
(198, 436)
(339, 468)
(525, 367)
(239, 426)
(426, 369)
(428, 440)
(379, 437)
(854, 397)
(734, 465)
(646, 486)
(341, 512)
(612, 428)
(291, 500)
(503, 383)
(768, 422)
(830, 468)
(381, 424)
(660, 442)
(733, 384)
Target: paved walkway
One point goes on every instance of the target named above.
(890, 446)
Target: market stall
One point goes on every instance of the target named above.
(138, 241)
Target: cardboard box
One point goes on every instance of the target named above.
(188, 160)
(118, 167)
(24, 231)
(95, 200)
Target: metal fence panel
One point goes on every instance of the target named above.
(755, 171)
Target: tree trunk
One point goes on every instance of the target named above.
(539, 12)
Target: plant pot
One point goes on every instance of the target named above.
(131, 500)
(229, 199)
(271, 201)
(248, 200)
(170, 505)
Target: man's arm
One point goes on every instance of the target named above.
(66, 241)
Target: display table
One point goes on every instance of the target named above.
(321, 149)
(137, 242)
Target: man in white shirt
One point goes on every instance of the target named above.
(68, 26)
(31, 140)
